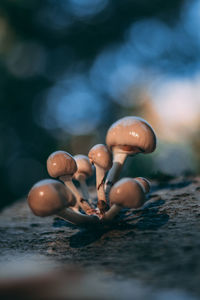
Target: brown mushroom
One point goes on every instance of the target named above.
(100, 156)
(62, 165)
(49, 197)
(145, 184)
(128, 136)
(84, 170)
(126, 193)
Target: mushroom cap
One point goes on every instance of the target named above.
(100, 156)
(84, 166)
(146, 185)
(48, 196)
(131, 135)
(127, 193)
(61, 163)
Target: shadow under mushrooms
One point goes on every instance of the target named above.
(146, 218)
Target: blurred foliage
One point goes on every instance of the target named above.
(43, 43)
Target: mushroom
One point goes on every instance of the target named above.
(49, 197)
(100, 156)
(128, 136)
(84, 170)
(145, 184)
(126, 193)
(62, 165)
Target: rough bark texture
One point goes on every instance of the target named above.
(154, 251)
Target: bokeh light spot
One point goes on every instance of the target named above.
(73, 107)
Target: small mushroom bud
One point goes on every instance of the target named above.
(100, 156)
(145, 184)
(128, 136)
(62, 165)
(126, 193)
(49, 197)
(84, 170)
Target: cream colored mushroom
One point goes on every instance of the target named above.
(100, 156)
(126, 193)
(50, 197)
(84, 170)
(62, 165)
(128, 136)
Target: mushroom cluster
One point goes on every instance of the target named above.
(128, 136)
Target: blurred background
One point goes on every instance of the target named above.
(70, 68)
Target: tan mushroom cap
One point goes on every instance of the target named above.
(83, 166)
(48, 196)
(127, 193)
(100, 156)
(61, 163)
(144, 182)
(131, 135)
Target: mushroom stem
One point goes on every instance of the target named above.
(83, 187)
(77, 218)
(83, 203)
(113, 174)
(111, 213)
(102, 203)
